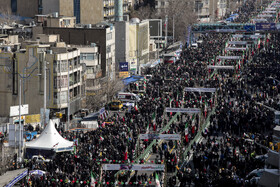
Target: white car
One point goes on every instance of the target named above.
(39, 159)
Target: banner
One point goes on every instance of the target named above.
(183, 110)
(160, 136)
(220, 67)
(266, 16)
(189, 89)
(256, 36)
(101, 111)
(123, 74)
(238, 36)
(270, 8)
(260, 20)
(265, 26)
(18, 178)
(235, 48)
(237, 42)
(269, 12)
(230, 57)
(136, 167)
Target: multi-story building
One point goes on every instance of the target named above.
(25, 8)
(109, 9)
(90, 56)
(139, 42)
(64, 72)
(103, 35)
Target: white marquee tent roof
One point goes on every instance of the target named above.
(50, 139)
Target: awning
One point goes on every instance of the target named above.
(131, 79)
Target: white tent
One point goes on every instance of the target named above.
(50, 139)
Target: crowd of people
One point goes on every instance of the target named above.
(224, 158)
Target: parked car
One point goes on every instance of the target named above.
(39, 159)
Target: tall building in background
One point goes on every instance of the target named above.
(77, 10)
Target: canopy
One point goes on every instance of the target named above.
(50, 139)
(131, 79)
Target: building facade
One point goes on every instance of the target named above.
(27, 66)
(139, 42)
(90, 56)
(102, 35)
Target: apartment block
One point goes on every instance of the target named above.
(27, 66)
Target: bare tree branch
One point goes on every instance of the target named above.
(7, 17)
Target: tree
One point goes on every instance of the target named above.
(109, 88)
(183, 15)
(7, 17)
(143, 12)
(182, 11)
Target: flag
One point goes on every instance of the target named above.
(136, 108)
(125, 154)
(205, 109)
(186, 132)
(148, 126)
(103, 124)
(92, 180)
(157, 181)
(154, 117)
(75, 150)
(259, 43)
(101, 138)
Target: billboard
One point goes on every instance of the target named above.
(155, 28)
(123, 66)
(133, 66)
(123, 74)
(265, 26)
(14, 110)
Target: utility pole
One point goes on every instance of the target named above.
(173, 30)
(19, 143)
(158, 40)
(138, 61)
(166, 25)
(45, 93)
(68, 98)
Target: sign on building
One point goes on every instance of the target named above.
(14, 110)
(123, 66)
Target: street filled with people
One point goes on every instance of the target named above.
(230, 123)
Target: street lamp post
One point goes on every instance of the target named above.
(166, 25)
(20, 133)
(45, 93)
(68, 98)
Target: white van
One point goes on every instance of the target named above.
(194, 45)
(128, 97)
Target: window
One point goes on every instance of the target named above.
(109, 36)
(66, 22)
(108, 49)
(88, 56)
(90, 70)
(162, 3)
